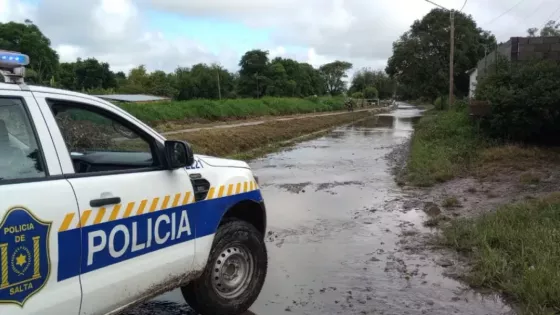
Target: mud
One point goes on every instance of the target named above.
(344, 238)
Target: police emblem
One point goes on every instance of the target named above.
(24, 255)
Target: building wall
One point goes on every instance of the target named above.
(504, 50)
(519, 49)
(527, 48)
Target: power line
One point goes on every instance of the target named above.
(464, 4)
(553, 13)
(537, 10)
(504, 13)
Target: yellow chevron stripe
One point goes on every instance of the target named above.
(99, 216)
(128, 210)
(176, 200)
(154, 204)
(142, 207)
(67, 221)
(187, 197)
(210, 193)
(165, 202)
(221, 191)
(115, 212)
(84, 218)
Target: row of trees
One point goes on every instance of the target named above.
(258, 75)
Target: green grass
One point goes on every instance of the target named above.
(514, 250)
(444, 145)
(212, 110)
(450, 202)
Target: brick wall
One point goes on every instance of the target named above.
(522, 48)
(526, 48)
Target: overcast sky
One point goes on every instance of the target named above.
(163, 34)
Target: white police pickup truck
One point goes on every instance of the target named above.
(99, 212)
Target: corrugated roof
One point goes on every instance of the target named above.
(132, 97)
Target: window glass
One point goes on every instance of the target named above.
(99, 143)
(20, 156)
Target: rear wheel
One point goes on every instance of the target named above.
(234, 274)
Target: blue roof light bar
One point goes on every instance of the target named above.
(13, 59)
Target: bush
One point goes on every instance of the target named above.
(441, 102)
(371, 92)
(525, 100)
(358, 95)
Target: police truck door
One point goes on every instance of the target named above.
(135, 231)
(36, 203)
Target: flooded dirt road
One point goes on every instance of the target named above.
(338, 226)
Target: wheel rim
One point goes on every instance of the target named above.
(232, 271)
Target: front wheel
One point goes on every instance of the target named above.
(234, 274)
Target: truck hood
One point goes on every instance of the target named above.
(219, 162)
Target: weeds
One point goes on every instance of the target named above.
(444, 145)
(450, 202)
(514, 250)
(436, 221)
(529, 178)
(213, 110)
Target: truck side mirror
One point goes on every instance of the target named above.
(178, 154)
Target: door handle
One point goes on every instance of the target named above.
(104, 202)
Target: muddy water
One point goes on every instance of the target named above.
(337, 230)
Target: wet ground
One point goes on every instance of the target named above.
(340, 230)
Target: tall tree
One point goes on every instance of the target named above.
(333, 73)
(365, 78)
(28, 39)
(252, 75)
(420, 59)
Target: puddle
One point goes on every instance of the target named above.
(338, 228)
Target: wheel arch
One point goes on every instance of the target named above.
(250, 211)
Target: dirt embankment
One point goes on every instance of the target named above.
(253, 140)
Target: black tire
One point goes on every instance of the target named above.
(200, 293)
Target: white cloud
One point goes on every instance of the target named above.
(359, 31)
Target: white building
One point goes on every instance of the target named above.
(473, 75)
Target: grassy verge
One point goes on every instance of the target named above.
(247, 142)
(214, 110)
(514, 250)
(445, 145)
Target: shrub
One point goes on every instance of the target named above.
(358, 95)
(525, 100)
(441, 103)
(371, 92)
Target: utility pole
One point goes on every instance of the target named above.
(258, 92)
(451, 46)
(219, 89)
(451, 54)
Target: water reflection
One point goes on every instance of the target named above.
(397, 123)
